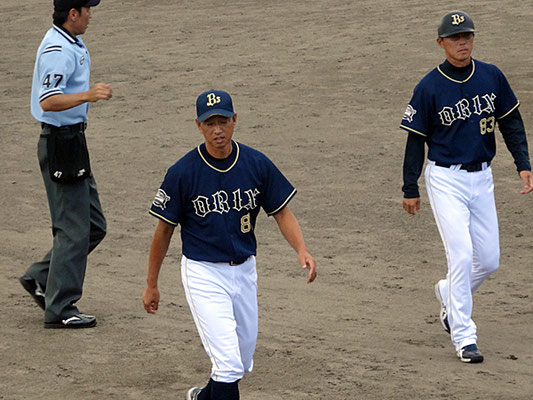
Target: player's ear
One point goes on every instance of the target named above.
(197, 124)
(73, 14)
(234, 118)
(440, 42)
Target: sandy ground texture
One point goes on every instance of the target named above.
(320, 87)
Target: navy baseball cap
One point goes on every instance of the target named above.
(455, 22)
(67, 5)
(214, 102)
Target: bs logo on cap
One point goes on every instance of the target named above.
(214, 102)
(455, 22)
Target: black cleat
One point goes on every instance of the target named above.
(443, 312)
(470, 354)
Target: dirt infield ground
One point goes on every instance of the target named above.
(320, 87)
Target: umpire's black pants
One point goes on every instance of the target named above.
(78, 226)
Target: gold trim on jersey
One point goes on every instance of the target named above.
(456, 81)
(216, 169)
(510, 111)
(163, 218)
(412, 130)
(284, 203)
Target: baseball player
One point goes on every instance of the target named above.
(455, 110)
(214, 193)
(59, 101)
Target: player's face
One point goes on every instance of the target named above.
(81, 20)
(458, 48)
(218, 131)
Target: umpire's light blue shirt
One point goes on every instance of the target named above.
(62, 66)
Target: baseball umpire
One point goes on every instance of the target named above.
(59, 101)
(215, 192)
(455, 110)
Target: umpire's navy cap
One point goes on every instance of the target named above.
(455, 22)
(67, 5)
(214, 102)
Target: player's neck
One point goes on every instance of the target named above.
(219, 153)
(459, 63)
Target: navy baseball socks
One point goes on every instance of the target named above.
(215, 391)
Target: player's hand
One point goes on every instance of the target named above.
(527, 178)
(308, 262)
(411, 205)
(151, 299)
(100, 91)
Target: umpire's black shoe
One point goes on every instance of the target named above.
(470, 354)
(34, 289)
(193, 393)
(75, 322)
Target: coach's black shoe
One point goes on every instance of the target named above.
(34, 289)
(470, 354)
(443, 312)
(75, 322)
(193, 393)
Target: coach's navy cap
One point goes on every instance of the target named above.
(66, 5)
(455, 22)
(214, 102)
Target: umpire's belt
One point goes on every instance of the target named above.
(238, 262)
(475, 167)
(73, 128)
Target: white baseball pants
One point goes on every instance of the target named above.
(465, 213)
(223, 302)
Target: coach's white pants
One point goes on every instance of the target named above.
(223, 302)
(465, 213)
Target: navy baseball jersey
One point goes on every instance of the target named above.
(62, 66)
(216, 202)
(459, 117)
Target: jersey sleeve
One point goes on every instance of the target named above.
(514, 135)
(55, 68)
(278, 191)
(417, 116)
(412, 165)
(167, 204)
(506, 100)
